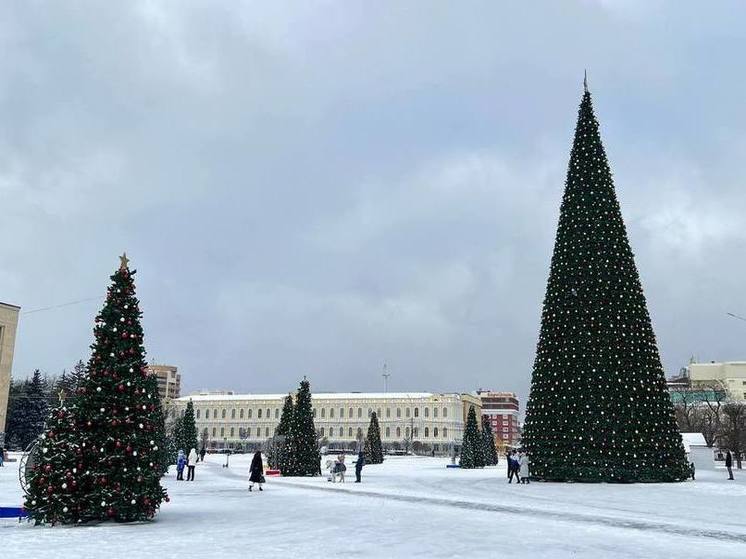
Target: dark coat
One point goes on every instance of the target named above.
(360, 463)
(728, 460)
(256, 469)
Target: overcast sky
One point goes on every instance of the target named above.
(316, 188)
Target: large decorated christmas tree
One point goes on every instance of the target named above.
(599, 409)
(472, 445)
(303, 458)
(373, 446)
(119, 414)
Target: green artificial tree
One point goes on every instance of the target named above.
(56, 491)
(119, 413)
(303, 454)
(286, 418)
(472, 446)
(488, 443)
(189, 429)
(373, 447)
(598, 408)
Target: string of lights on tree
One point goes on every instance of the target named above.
(599, 409)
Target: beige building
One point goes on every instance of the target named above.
(169, 381)
(730, 375)
(436, 421)
(8, 324)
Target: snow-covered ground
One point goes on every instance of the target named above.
(406, 507)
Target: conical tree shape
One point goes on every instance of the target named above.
(472, 446)
(55, 494)
(189, 429)
(373, 447)
(283, 428)
(303, 455)
(598, 409)
(488, 443)
(119, 413)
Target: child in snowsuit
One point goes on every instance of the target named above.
(180, 464)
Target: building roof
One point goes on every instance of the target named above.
(693, 439)
(9, 305)
(317, 396)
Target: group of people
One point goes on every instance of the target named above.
(188, 462)
(337, 468)
(518, 466)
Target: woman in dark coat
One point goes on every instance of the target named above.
(729, 464)
(256, 471)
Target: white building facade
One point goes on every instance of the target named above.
(432, 421)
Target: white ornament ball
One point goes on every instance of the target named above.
(132, 502)
(122, 319)
(103, 503)
(64, 486)
(44, 450)
(98, 389)
(64, 509)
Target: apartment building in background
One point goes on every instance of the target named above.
(169, 381)
(502, 409)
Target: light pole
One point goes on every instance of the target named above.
(736, 316)
(385, 376)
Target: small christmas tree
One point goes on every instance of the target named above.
(472, 451)
(488, 443)
(119, 413)
(373, 447)
(598, 408)
(189, 429)
(286, 419)
(56, 490)
(303, 454)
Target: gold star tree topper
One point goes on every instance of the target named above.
(124, 262)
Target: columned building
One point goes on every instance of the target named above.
(8, 324)
(424, 420)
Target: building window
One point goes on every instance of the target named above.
(323, 413)
(215, 413)
(259, 413)
(427, 431)
(427, 413)
(222, 414)
(398, 432)
(359, 412)
(407, 412)
(417, 412)
(266, 431)
(240, 413)
(232, 432)
(370, 412)
(313, 411)
(249, 412)
(349, 432)
(378, 413)
(222, 431)
(435, 432)
(406, 431)
(213, 431)
(248, 432)
(388, 432)
(341, 413)
(388, 413)
(445, 412)
(359, 433)
(198, 414)
(505, 429)
(350, 414)
(331, 413)
(435, 412)
(277, 413)
(414, 432)
(398, 412)
(233, 413)
(322, 431)
(445, 432)
(267, 416)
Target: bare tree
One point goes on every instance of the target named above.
(710, 412)
(733, 429)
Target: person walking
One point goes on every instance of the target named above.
(359, 466)
(256, 471)
(524, 468)
(180, 464)
(729, 464)
(191, 464)
(202, 453)
(341, 468)
(513, 467)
